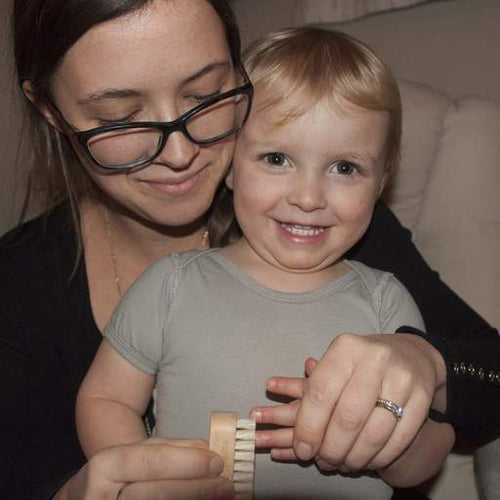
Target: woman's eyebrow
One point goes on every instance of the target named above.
(111, 93)
(207, 69)
(107, 94)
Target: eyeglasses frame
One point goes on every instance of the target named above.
(166, 128)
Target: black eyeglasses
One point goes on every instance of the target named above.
(124, 146)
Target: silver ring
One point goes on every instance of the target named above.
(387, 404)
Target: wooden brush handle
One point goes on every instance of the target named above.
(223, 437)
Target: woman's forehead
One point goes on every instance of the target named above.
(167, 41)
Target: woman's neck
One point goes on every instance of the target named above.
(118, 248)
(135, 239)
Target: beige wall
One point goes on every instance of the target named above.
(9, 127)
(453, 45)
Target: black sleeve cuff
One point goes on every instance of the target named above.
(472, 383)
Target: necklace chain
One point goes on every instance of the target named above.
(113, 254)
(204, 245)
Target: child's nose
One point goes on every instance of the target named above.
(308, 194)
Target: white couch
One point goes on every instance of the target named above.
(447, 193)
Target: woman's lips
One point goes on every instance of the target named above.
(175, 187)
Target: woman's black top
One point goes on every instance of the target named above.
(48, 338)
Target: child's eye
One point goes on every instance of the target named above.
(275, 159)
(344, 167)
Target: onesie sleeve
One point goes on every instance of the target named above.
(137, 326)
(397, 307)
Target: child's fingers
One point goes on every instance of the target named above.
(310, 365)
(283, 454)
(276, 438)
(283, 415)
(292, 387)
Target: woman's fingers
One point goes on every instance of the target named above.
(321, 392)
(353, 409)
(374, 436)
(155, 461)
(201, 489)
(414, 415)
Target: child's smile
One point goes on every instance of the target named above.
(304, 191)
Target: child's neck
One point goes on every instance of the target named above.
(277, 278)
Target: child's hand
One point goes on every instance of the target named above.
(334, 418)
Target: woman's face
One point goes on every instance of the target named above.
(152, 65)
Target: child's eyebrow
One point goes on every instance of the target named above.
(356, 155)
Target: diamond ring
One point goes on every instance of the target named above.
(387, 404)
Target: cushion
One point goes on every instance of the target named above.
(458, 229)
(424, 109)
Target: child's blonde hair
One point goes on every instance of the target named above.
(297, 67)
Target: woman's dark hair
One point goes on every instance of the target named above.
(44, 30)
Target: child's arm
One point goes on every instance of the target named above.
(423, 458)
(111, 401)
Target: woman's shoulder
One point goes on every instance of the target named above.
(45, 234)
(40, 251)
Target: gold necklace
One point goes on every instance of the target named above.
(204, 245)
(113, 253)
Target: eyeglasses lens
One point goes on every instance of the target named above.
(125, 147)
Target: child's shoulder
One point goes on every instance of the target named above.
(176, 262)
(383, 286)
(372, 278)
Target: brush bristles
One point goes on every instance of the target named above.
(234, 440)
(244, 458)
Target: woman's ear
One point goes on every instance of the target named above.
(43, 107)
(229, 179)
(383, 184)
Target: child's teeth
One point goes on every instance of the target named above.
(302, 230)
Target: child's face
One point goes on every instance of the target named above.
(304, 191)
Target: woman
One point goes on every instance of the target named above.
(89, 64)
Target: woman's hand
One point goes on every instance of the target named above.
(154, 468)
(334, 419)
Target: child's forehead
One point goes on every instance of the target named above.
(279, 109)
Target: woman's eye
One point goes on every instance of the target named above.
(199, 98)
(345, 167)
(103, 122)
(275, 159)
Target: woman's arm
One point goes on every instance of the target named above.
(111, 401)
(470, 347)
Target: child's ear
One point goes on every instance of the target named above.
(229, 179)
(42, 106)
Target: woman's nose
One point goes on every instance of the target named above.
(308, 194)
(178, 152)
